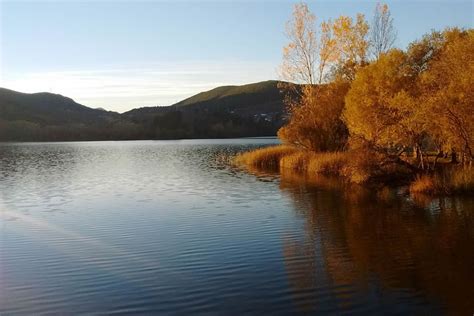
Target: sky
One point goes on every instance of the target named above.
(120, 55)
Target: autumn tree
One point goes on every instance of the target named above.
(379, 101)
(305, 60)
(421, 99)
(311, 52)
(300, 55)
(382, 31)
(316, 123)
(351, 44)
(448, 94)
(422, 52)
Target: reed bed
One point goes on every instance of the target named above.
(355, 167)
(265, 158)
(295, 159)
(450, 181)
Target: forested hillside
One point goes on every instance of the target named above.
(228, 111)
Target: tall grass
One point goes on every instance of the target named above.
(330, 163)
(462, 180)
(296, 161)
(291, 158)
(356, 166)
(284, 157)
(426, 184)
(327, 163)
(450, 181)
(265, 158)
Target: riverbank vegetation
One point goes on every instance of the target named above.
(366, 111)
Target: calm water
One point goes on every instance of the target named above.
(167, 227)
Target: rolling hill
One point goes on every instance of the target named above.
(47, 108)
(245, 100)
(229, 111)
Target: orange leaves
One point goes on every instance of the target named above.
(299, 56)
(447, 91)
(313, 50)
(374, 104)
(422, 98)
(316, 122)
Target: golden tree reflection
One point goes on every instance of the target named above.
(354, 236)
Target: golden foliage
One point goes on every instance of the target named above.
(300, 55)
(447, 93)
(421, 99)
(372, 110)
(316, 121)
(312, 50)
(351, 38)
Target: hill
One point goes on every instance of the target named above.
(53, 117)
(246, 100)
(229, 111)
(249, 95)
(47, 108)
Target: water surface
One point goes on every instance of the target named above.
(167, 227)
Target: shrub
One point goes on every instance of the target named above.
(426, 184)
(361, 166)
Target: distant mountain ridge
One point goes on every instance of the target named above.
(229, 111)
(46, 108)
(264, 89)
(262, 96)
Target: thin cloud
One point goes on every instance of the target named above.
(123, 88)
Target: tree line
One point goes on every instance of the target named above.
(359, 91)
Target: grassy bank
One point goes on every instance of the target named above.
(356, 167)
(450, 181)
(267, 158)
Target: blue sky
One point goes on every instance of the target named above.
(124, 54)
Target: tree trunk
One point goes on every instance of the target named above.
(419, 157)
(454, 156)
(439, 155)
(422, 162)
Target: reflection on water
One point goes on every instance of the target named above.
(170, 227)
(377, 243)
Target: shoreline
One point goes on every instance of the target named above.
(359, 167)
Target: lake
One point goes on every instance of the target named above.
(168, 227)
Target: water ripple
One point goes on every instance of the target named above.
(168, 228)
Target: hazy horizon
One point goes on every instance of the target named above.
(131, 54)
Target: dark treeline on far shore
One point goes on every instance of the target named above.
(225, 112)
(171, 125)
